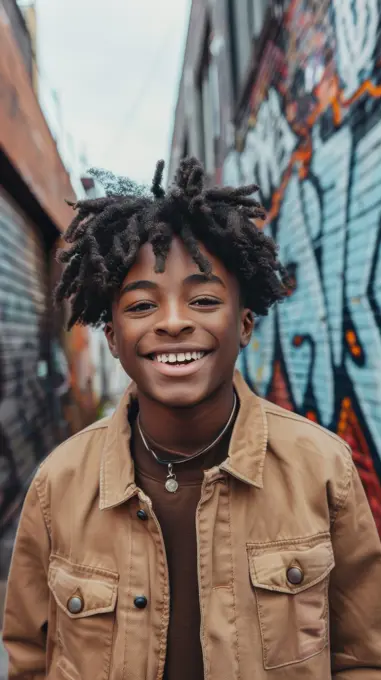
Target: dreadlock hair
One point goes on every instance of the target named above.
(107, 233)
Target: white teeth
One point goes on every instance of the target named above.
(179, 358)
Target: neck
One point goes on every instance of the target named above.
(185, 430)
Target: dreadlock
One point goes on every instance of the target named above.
(107, 233)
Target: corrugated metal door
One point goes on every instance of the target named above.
(26, 415)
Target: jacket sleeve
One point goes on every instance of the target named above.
(355, 589)
(26, 605)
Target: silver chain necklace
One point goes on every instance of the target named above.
(171, 483)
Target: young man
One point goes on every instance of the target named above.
(200, 532)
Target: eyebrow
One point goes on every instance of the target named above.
(204, 278)
(192, 279)
(139, 285)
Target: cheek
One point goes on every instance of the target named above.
(125, 340)
(228, 328)
(129, 335)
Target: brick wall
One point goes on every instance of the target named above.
(12, 12)
(24, 135)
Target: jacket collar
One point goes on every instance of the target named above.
(245, 459)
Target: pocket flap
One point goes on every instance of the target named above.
(270, 565)
(86, 589)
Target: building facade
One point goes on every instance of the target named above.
(292, 102)
(40, 365)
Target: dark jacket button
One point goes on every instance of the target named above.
(140, 602)
(142, 514)
(75, 605)
(295, 576)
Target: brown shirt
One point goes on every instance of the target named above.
(176, 513)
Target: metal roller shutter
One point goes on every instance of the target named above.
(26, 411)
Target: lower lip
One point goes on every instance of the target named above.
(176, 371)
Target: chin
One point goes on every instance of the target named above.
(178, 397)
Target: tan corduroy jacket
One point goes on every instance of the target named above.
(289, 560)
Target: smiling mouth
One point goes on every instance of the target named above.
(178, 359)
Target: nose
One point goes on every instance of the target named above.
(174, 322)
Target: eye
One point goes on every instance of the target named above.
(141, 307)
(206, 301)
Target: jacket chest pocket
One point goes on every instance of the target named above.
(86, 600)
(290, 581)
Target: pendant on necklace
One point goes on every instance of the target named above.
(171, 484)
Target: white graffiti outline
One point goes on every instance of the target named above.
(268, 147)
(356, 31)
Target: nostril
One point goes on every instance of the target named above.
(174, 330)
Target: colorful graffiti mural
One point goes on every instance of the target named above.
(313, 143)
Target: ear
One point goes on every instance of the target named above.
(246, 328)
(110, 337)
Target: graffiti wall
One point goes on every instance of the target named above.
(27, 416)
(312, 141)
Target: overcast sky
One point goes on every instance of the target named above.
(115, 67)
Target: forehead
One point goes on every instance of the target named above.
(178, 265)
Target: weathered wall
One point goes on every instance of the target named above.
(27, 418)
(24, 135)
(312, 141)
(40, 383)
(45, 373)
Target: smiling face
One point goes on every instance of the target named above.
(178, 333)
